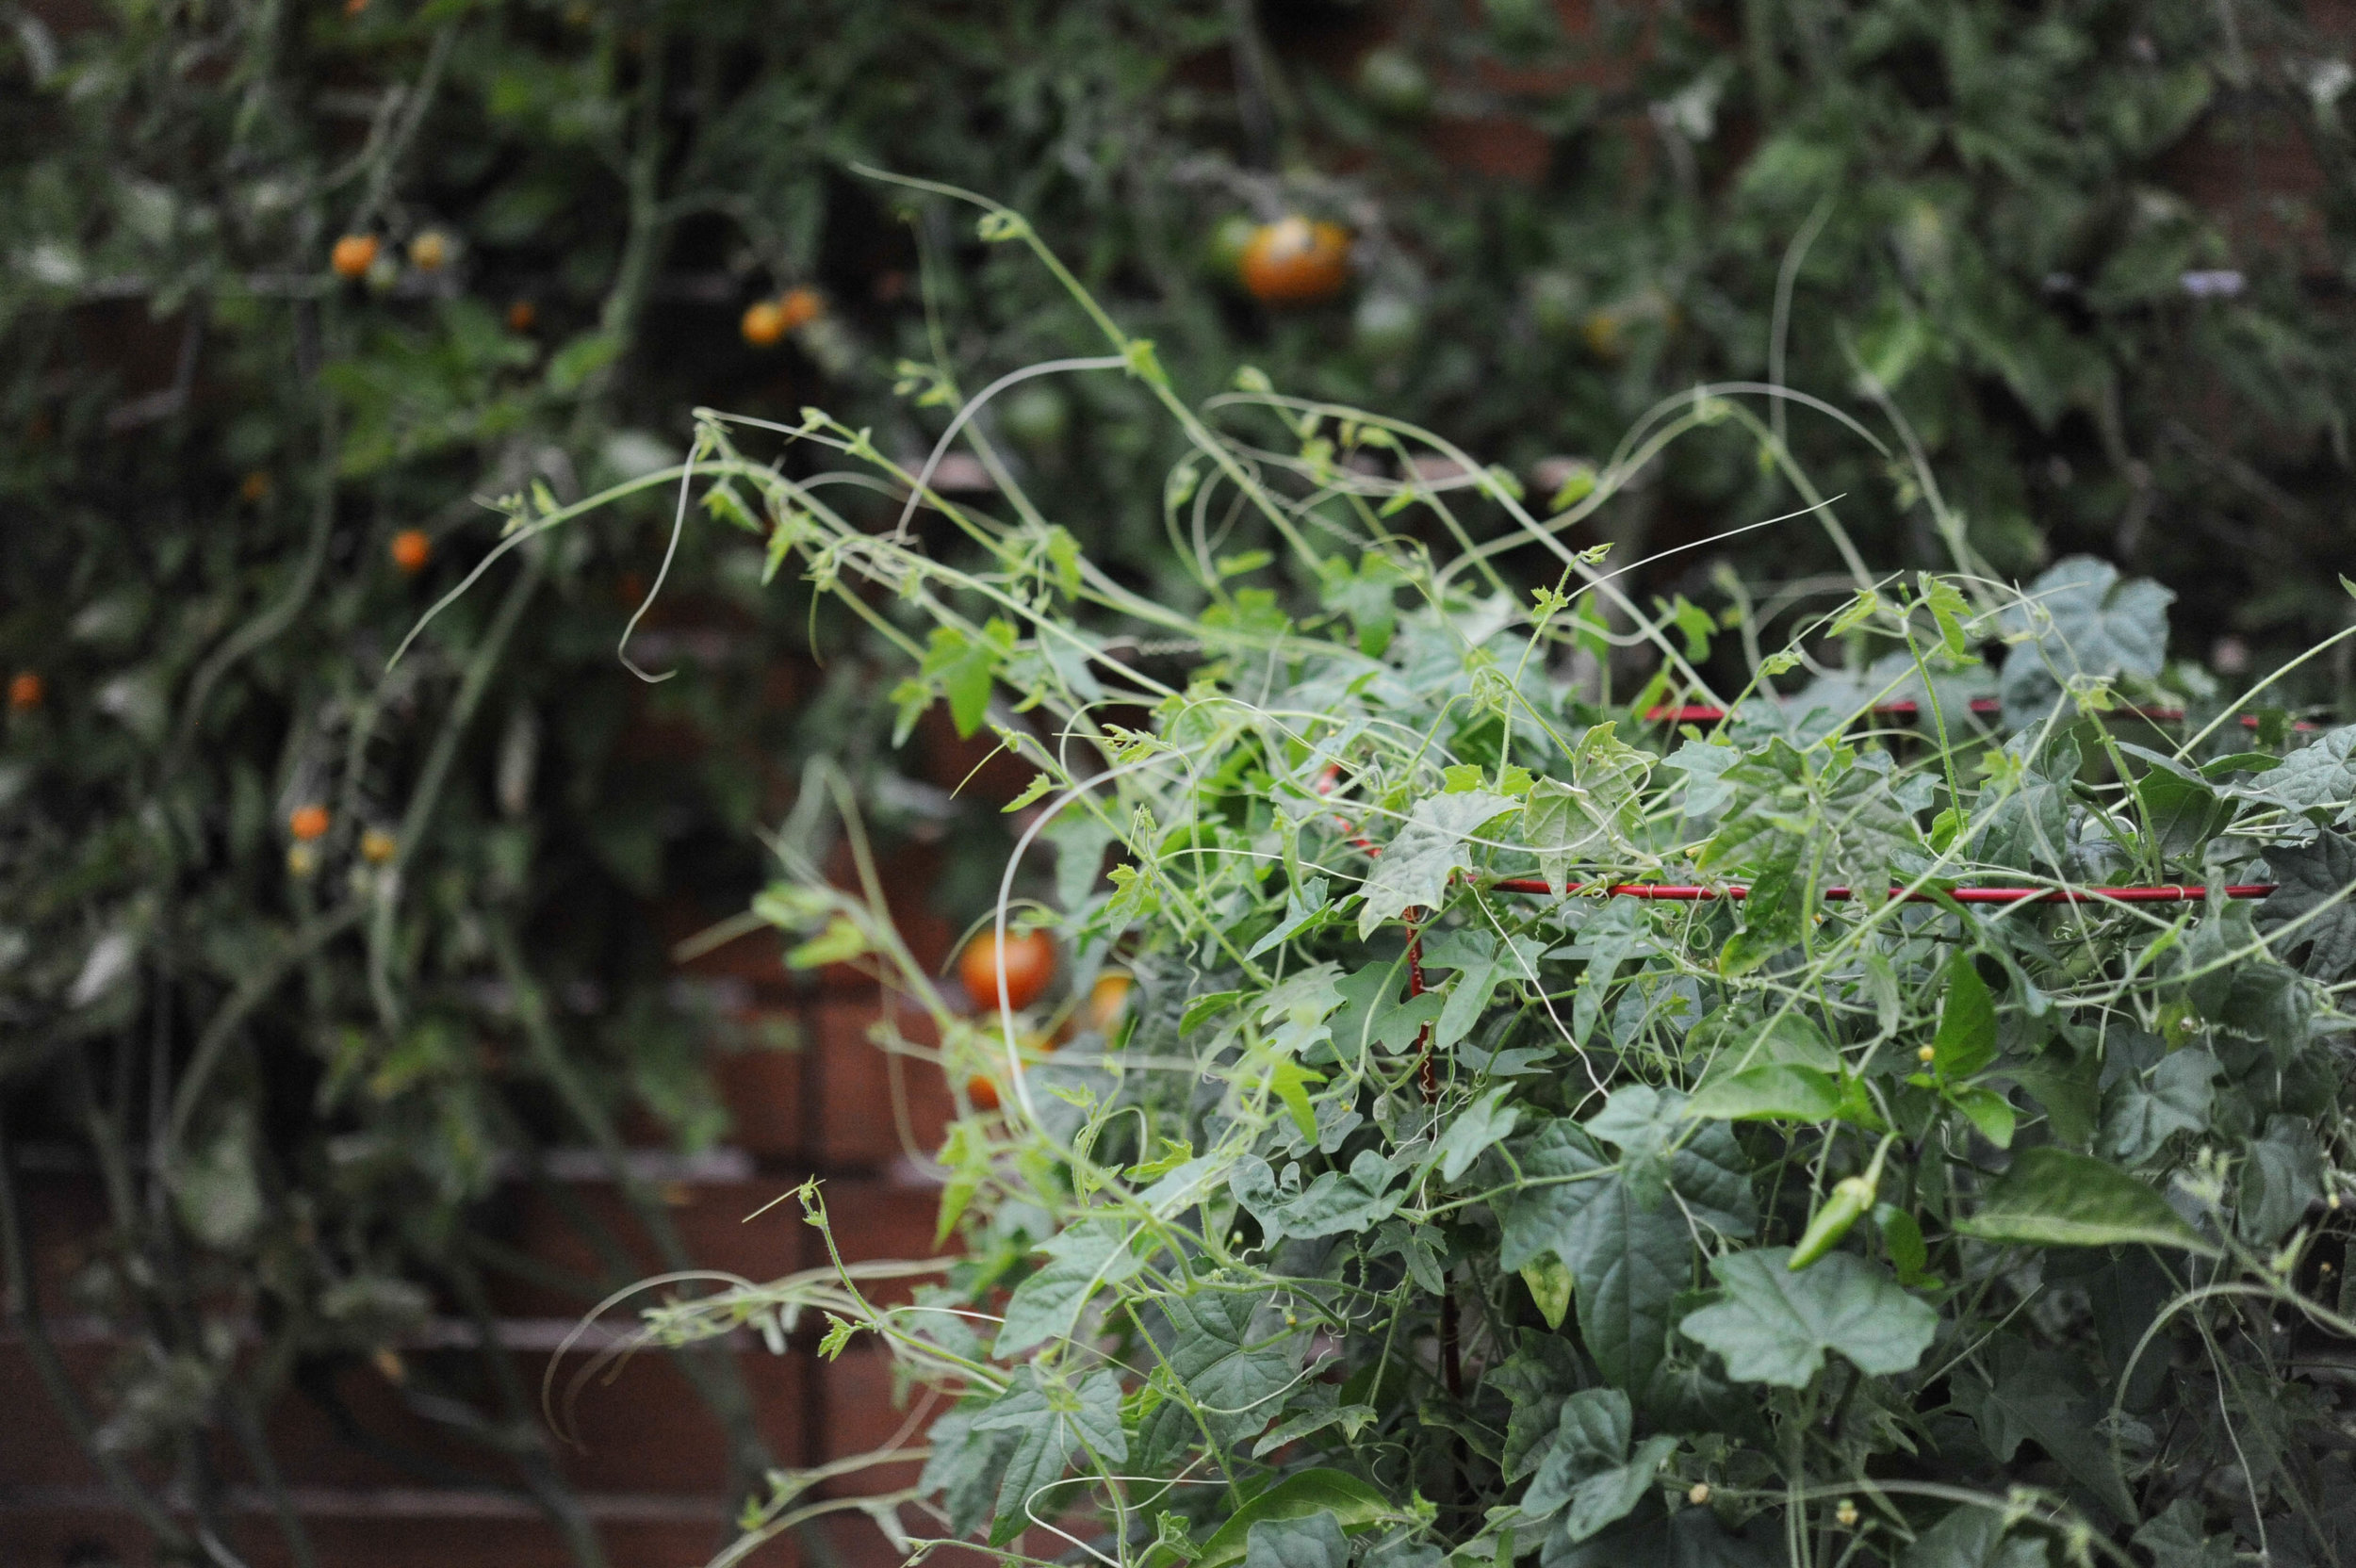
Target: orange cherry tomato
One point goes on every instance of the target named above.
(308, 822)
(763, 323)
(1294, 261)
(27, 691)
(799, 307)
(1028, 962)
(353, 254)
(982, 1093)
(1105, 999)
(522, 316)
(412, 550)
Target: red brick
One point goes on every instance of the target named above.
(762, 1090)
(646, 1430)
(858, 1085)
(713, 1221)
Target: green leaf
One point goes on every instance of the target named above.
(1414, 869)
(2053, 1198)
(2180, 811)
(964, 1468)
(1235, 1361)
(1773, 1326)
(1083, 1259)
(2092, 624)
(1353, 1505)
(1610, 1496)
(2028, 827)
(1334, 1202)
(1305, 905)
(1050, 1423)
(1973, 1537)
(1966, 1041)
(840, 939)
(1316, 1542)
(2318, 778)
(1770, 1092)
(2047, 1399)
(1628, 1262)
(2175, 1539)
(2278, 1181)
(1595, 814)
(1487, 1121)
(2070, 1091)
(1550, 1285)
(1902, 1238)
(1950, 610)
(962, 668)
(1592, 1433)
(1987, 1111)
(2146, 1108)
(2314, 883)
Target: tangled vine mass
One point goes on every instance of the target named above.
(1421, 1201)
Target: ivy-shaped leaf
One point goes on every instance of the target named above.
(1414, 869)
(1593, 816)
(2092, 624)
(1083, 1258)
(1773, 1326)
(1334, 1202)
(2314, 883)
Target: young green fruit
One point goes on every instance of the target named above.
(1222, 251)
(1852, 1198)
(1037, 416)
(1385, 325)
(1395, 82)
(1557, 302)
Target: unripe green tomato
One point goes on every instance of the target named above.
(1223, 254)
(1395, 82)
(1385, 325)
(1036, 416)
(1557, 302)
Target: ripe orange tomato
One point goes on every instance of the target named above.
(982, 1093)
(799, 307)
(763, 323)
(412, 550)
(308, 822)
(429, 250)
(1028, 962)
(353, 254)
(1105, 999)
(25, 692)
(522, 316)
(1294, 261)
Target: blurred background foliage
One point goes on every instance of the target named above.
(299, 302)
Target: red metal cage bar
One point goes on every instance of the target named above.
(1670, 892)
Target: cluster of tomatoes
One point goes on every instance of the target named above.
(1016, 973)
(307, 823)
